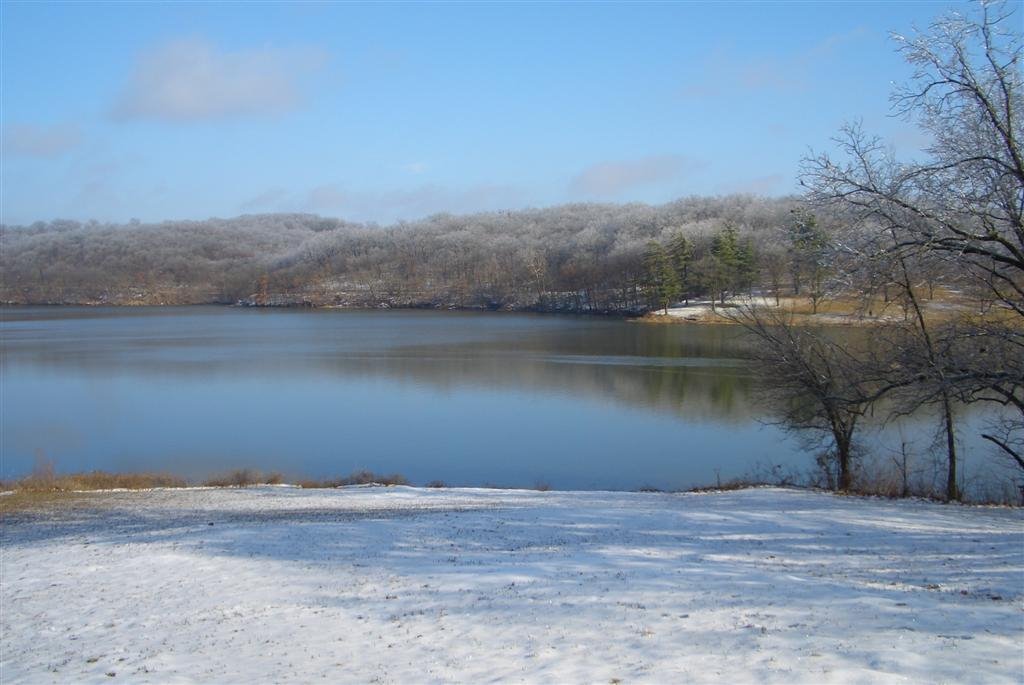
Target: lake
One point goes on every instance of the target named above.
(465, 398)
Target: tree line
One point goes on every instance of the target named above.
(581, 258)
(576, 258)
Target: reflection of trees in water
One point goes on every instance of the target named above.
(689, 373)
(701, 392)
(691, 388)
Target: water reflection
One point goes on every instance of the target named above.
(463, 397)
(689, 371)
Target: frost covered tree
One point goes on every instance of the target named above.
(961, 202)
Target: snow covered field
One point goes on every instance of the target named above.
(404, 585)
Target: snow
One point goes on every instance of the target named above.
(408, 585)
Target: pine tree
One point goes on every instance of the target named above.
(725, 250)
(809, 242)
(746, 265)
(680, 252)
(661, 276)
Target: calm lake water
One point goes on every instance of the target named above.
(467, 398)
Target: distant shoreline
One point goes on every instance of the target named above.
(616, 314)
(840, 312)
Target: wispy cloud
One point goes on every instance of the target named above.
(95, 186)
(722, 73)
(31, 140)
(389, 205)
(268, 199)
(609, 179)
(772, 184)
(415, 167)
(189, 80)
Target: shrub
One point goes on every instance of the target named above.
(361, 477)
(242, 478)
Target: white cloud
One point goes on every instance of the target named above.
(193, 80)
(30, 140)
(608, 179)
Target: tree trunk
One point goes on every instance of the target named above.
(843, 452)
(952, 491)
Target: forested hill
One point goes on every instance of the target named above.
(580, 257)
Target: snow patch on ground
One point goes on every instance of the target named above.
(401, 585)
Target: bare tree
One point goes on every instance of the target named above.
(819, 384)
(962, 203)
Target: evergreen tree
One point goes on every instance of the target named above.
(725, 251)
(661, 276)
(680, 252)
(746, 265)
(809, 243)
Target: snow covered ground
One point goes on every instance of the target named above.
(406, 585)
(705, 311)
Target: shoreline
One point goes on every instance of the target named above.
(835, 313)
(14, 500)
(610, 314)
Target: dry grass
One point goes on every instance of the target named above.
(357, 478)
(734, 484)
(25, 500)
(95, 480)
(45, 489)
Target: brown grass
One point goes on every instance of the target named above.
(45, 489)
(22, 500)
(94, 480)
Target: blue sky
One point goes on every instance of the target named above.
(396, 111)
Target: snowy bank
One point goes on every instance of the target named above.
(405, 585)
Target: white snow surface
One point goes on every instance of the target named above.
(408, 585)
